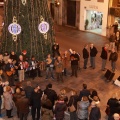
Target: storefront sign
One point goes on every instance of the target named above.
(14, 28)
(93, 6)
(43, 27)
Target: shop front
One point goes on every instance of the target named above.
(93, 16)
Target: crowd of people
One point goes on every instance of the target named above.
(47, 104)
(84, 106)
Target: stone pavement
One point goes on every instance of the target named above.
(94, 78)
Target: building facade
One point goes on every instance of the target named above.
(85, 15)
(93, 16)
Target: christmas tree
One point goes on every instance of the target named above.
(28, 26)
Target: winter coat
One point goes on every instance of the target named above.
(93, 51)
(82, 109)
(60, 107)
(8, 102)
(23, 105)
(95, 113)
(104, 54)
(113, 57)
(58, 66)
(85, 53)
(73, 100)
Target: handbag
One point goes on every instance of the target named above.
(72, 107)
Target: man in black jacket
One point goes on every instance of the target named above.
(35, 102)
(51, 94)
(104, 56)
(93, 53)
(74, 57)
(28, 90)
(84, 92)
(85, 56)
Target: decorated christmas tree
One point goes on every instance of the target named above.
(28, 26)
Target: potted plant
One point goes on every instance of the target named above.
(86, 24)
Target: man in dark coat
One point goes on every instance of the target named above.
(35, 102)
(84, 92)
(28, 90)
(23, 106)
(51, 94)
(85, 56)
(95, 113)
(104, 56)
(113, 58)
(74, 57)
(93, 53)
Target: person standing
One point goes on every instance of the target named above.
(65, 59)
(35, 102)
(113, 58)
(8, 102)
(49, 66)
(21, 67)
(95, 113)
(117, 40)
(23, 106)
(84, 92)
(115, 26)
(104, 56)
(112, 41)
(60, 108)
(59, 68)
(85, 56)
(10, 70)
(82, 108)
(93, 53)
(74, 57)
(73, 101)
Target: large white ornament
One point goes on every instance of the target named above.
(43, 27)
(23, 2)
(14, 28)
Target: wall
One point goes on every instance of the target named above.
(93, 5)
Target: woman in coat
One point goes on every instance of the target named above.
(73, 101)
(8, 102)
(82, 108)
(60, 108)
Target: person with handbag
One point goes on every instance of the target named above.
(72, 105)
(60, 108)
